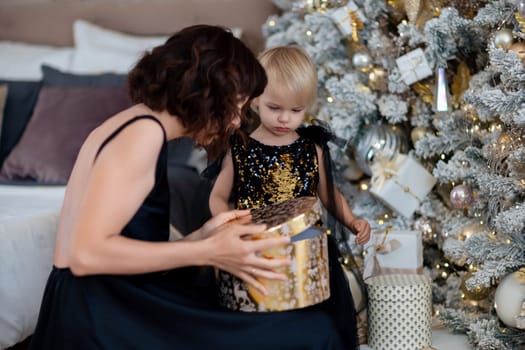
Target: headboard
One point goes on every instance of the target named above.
(50, 21)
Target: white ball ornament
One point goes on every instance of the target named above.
(361, 60)
(503, 38)
(509, 297)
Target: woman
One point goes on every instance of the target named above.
(117, 283)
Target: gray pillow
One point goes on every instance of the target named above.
(3, 98)
(55, 77)
(19, 106)
(63, 118)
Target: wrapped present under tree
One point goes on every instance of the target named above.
(401, 183)
(394, 252)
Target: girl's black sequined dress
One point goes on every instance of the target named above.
(269, 174)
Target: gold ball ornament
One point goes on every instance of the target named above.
(503, 38)
(477, 293)
(509, 298)
(378, 79)
(428, 229)
(519, 49)
(418, 133)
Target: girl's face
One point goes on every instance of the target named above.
(281, 111)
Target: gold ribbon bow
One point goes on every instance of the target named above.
(384, 169)
(390, 246)
(383, 247)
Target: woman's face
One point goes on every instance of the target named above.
(236, 120)
(212, 133)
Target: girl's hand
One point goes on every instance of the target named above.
(230, 251)
(361, 228)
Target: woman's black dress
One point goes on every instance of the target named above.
(176, 309)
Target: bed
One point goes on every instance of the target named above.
(63, 66)
(28, 219)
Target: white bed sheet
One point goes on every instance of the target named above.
(22, 201)
(28, 221)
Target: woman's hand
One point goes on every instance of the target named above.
(208, 228)
(230, 251)
(361, 228)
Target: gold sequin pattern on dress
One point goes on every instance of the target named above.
(270, 174)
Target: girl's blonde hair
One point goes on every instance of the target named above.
(292, 67)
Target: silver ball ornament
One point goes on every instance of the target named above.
(520, 6)
(461, 196)
(509, 298)
(503, 38)
(380, 139)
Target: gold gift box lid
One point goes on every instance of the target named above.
(287, 218)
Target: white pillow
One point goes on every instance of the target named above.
(22, 61)
(104, 50)
(237, 32)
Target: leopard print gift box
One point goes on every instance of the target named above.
(308, 276)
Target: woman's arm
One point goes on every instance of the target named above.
(220, 194)
(342, 211)
(121, 178)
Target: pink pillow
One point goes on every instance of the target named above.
(62, 119)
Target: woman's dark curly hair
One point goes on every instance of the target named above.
(200, 75)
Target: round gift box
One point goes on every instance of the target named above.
(399, 312)
(308, 275)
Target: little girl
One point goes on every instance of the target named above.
(281, 159)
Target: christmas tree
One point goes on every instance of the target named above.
(443, 82)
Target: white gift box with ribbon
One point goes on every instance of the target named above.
(343, 18)
(401, 183)
(394, 252)
(413, 66)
